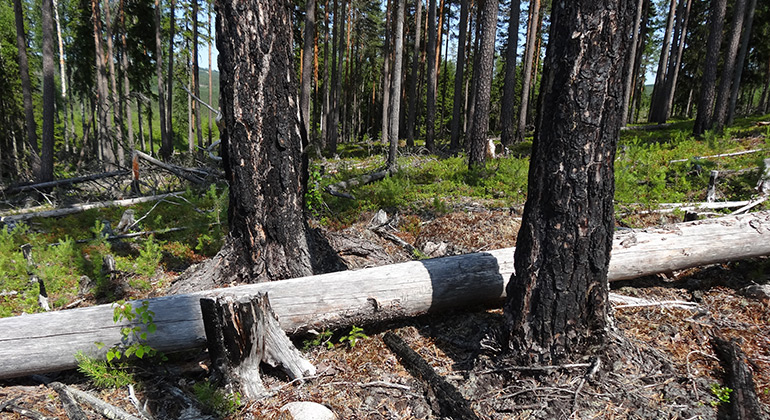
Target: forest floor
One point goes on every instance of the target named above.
(659, 364)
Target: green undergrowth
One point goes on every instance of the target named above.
(66, 249)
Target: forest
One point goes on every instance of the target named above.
(408, 208)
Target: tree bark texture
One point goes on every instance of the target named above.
(162, 115)
(196, 75)
(430, 112)
(675, 63)
(261, 141)
(46, 155)
(739, 64)
(743, 404)
(117, 142)
(728, 69)
(557, 305)
(167, 148)
(486, 52)
(703, 120)
(106, 152)
(459, 76)
(507, 115)
(529, 55)
(395, 85)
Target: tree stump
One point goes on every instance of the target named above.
(242, 333)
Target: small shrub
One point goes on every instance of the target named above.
(104, 374)
(215, 400)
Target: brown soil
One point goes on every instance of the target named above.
(660, 363)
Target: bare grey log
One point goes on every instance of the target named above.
(742, 152)
(452, 403)
(355, 182)
(744, 404)
(176, 170)
(77, 208)
(763, 185)
(68, 181)
(243, 332)
(48, 341)
(105, 409)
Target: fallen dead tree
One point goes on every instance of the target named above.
(68, 181)
(77, 208)
(48, 341)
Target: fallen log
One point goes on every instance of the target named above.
(77, 208)
(48, 341)
(176, 170)
(743, 403)
(68, 181)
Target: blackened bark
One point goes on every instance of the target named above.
(26, 87)
(164, 135)
(167, 148)
(658, 94)
(739, 65)
(395, 85)
(728, 69)
(672, 75)
(46, 155)
(631, 63)
(708, 82)
(196, 75)
(478, 136)
(106, 153)
(413, 98)
(509, 83)
(557, 301)
(430, 115)
(261, 142)
(459, 75)
(307, 64)
(529, 55)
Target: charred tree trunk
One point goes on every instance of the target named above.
(672, 75)
(307, 65)
(413, 92)
(557, 301)
(728, 69)
(631, 62)
(703, 120)
(656, 103)
(395, 85)
(529, 55)
(167, 148)
(162, 115)
(509, 85)
(106, 153)
(46, 155)
(430, 115)
(196, 75)
(478, 135)
(26, 88)
(261, 143)
(739, 64)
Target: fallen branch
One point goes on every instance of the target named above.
(622, 301)
(742, 152)
(743, 401)
(32, 414)
(105, 409)
(73, 410)
(355, 182)
(451, 402)
(48, 341)
(176, 170)
(78, 208)
(68, 181)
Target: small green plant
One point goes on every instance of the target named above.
(313, 197)
(322, 339)
(136, 334)
(355, 334)
(149, 257)
(216, 400)
(104, 374)
(722, 393)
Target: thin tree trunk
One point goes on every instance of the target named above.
(211, 72)
(395, 85)
(529, 54)
(62, 75)
(26, 88)
(167, 149)
(739, 64)
(327, 90)
(485, 70)
(196, 74)
(764, 100)
(631, 63)
(162, 115)
(703, 119)
(115, 97)
(46, 156)
(443, 75)
(672, 75)
(307, 65)
(386, 79)
(474, 78)
(509, 84)
(658, 94)
(557, 306)
(637, 89)
(106, 153)
(728, 69)
(430, 117)
(459, 75)
(415, 73)
(124, 70)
